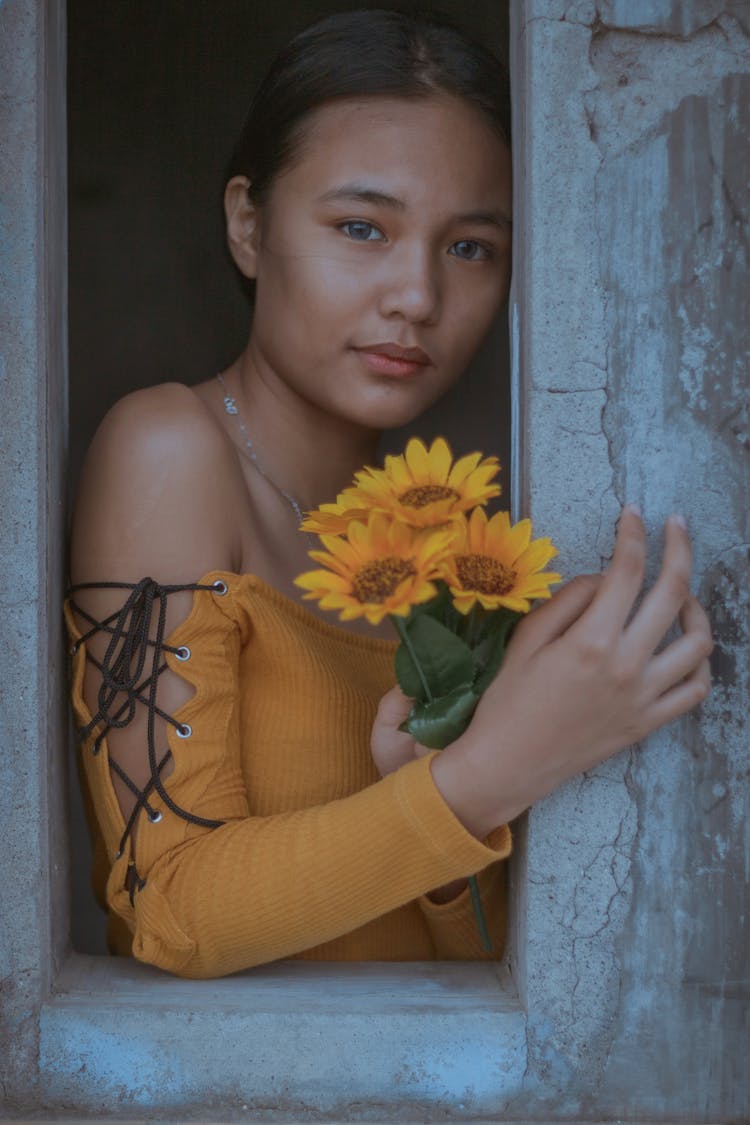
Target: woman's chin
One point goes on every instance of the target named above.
(392, 408)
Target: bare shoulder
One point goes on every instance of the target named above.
(166, 419)
(157, 492)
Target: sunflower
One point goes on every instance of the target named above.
(498, 565)
(421, 487)
(380, 568)
(334, 519)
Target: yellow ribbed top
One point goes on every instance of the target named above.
(317, 856)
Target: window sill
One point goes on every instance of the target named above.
(296, 1036)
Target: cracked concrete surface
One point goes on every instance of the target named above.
(636, 344)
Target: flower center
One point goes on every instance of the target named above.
(377, 580)
(485, 574)
(424, 494)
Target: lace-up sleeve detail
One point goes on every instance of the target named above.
(225, 878)
(133, 662)
(204, 790)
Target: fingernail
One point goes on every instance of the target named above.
(680, 521)
(631, 506)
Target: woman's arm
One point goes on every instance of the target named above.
(156, 498)
(233, 890)
(585, 675)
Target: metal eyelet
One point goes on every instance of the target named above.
(182, 653)
(155, 816)
(220, 588)
(119, 853)
(183, 730)
(75, 647)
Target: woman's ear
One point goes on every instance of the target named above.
(243, 225)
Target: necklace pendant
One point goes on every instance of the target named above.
(230, 406)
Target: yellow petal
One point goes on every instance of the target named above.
(417, 460)
(520, 536)
(462, 601)
(339, 549)
(440, 461)
(536, 556)
(463, 468)
(476, 531)
(336, 600)
(539, 586)
(351, 611)
(359, 537)
(330, 561)
(520, 605)
(375, 614)
(321, 580)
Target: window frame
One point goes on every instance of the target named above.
(551, 1034)
(97, 1030)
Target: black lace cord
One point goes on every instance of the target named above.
(134, 694)
(122, 670)
(137, 694)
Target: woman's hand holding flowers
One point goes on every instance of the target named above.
(520, 701)
(399, 543)
(583, 677)
(391, 746)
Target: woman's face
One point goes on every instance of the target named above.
(382, 256)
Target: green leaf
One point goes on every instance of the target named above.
(440, 607)
(443, 657)
(439, 723)
(407, 675)
(490, 652)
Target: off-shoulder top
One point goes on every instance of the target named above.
(274, 836)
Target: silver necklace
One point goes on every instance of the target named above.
(230, 406)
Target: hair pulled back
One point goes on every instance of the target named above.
(357, 54)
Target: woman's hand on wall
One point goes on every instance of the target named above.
(586, 674)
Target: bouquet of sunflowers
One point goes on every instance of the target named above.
(412, 541)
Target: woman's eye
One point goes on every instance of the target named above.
(469, 251)
(360, 231)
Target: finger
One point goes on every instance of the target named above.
(556, 616)
(679, 661)
(394, 708)
(622, 581)
(694, 619)
(661, 605)
(680, 699)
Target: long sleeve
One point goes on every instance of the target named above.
(275, 878)
(453, 925)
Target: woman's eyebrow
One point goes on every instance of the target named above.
(486, 218)
(362, 193)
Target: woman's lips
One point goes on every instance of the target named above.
(393, 360)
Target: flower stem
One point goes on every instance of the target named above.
(472, 626)
(476, 902)
(400, 627)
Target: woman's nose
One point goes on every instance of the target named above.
(412, 286)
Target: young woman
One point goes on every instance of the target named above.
(253, 795)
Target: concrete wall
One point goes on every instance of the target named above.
(627, 997)
(635, 336)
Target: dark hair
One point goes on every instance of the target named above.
(358, 54)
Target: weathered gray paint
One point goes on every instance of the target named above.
(635, 294)
(630, 958)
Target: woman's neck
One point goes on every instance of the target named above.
(303, 449)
